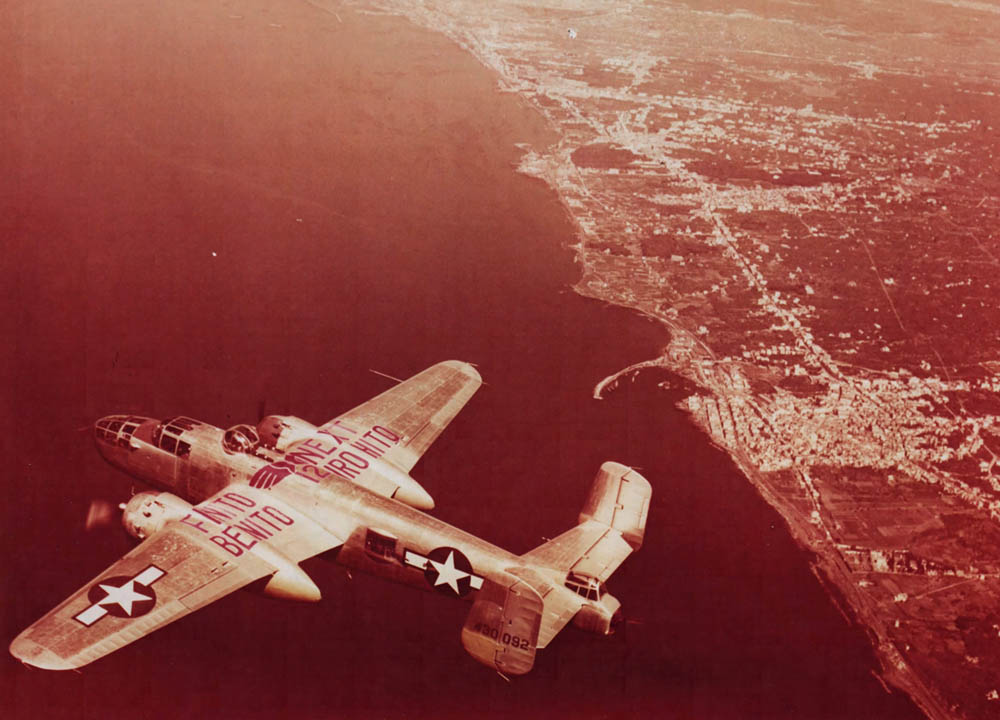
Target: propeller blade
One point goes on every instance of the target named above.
(100, 514)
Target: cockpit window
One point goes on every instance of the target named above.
(125, 435)
(179, 424)
(166, 435)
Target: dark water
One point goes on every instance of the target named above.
(354, 179)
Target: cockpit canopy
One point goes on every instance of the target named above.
(585, 586)
(119, 430)
(167, 435)
(240, 439)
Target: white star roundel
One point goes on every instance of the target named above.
(450, 572)
(121, 596)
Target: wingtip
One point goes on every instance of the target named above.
(618, 469)
(31, 653)
(467, 369)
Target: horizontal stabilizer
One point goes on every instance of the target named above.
(611, 526)
(502, 628)
(591, 549)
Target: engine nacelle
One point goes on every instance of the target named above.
(146, 512)
(289, 581)
(292, 583)
(599, 617)
(277, 432)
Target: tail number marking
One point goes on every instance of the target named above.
(506, 638)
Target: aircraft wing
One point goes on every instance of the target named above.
(416, 410)
(224, 543)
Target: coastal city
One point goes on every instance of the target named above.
(808, 206)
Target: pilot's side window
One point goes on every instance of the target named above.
(183, 448)
(169, 444)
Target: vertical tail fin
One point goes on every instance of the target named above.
(502, 628)
(619, 498)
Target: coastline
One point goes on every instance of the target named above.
(361, 236)
(616, 269)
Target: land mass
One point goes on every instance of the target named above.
(807, 197)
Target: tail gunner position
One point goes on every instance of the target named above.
(250, 503)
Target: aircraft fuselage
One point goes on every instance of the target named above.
(383, 536)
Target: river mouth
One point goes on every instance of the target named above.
(218, 208)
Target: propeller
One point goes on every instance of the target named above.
(623, 626)
(101, 514)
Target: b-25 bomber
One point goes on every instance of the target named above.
(245, 506)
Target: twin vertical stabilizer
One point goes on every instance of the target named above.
(563, 579)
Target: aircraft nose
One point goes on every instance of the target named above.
(106, 430)
(115, 431)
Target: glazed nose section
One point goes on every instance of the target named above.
(106, 438)
(113, 434)
(106, 431)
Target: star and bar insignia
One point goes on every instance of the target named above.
(121, 596)
(447, 570)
